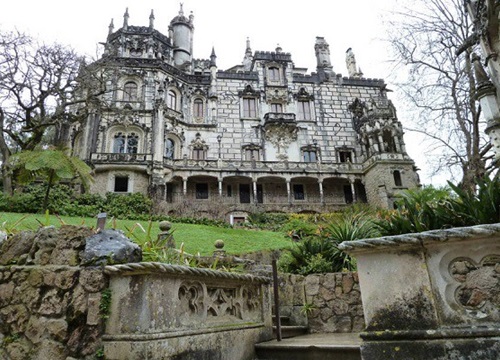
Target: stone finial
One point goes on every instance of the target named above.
(165, 235)
(191, 17)
(213, 58)
(111, 27)
(219, 248)
(125, 19)
(278, 49)
(152, 20)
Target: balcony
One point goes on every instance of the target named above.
(279, 118)
(121, 158)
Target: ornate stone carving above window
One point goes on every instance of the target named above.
(303, 95)
(275, 94)
(249, 92)
(281, 135)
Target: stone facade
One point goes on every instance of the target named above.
(326, 303)
(49, 304)
(264, 135)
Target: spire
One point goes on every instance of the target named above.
(350, 62)
(125, 19)
(249, 49)
(322, 50)
(248, 58)
(152, 20)
(278, 49)
(111, 27)
(213, 58)
(181, 10)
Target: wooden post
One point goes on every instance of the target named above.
(276, 300)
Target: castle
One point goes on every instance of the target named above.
(262, 136)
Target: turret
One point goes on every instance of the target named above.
(181, 31)
(152, 20)
(125, 19)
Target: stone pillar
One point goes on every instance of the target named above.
(254, 185)
(288, 192)
(353, 191)
(321, 194)
(184, 186)
(429, 296)
(220, 188)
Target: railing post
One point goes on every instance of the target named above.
(276, 299)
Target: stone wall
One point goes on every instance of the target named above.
(49, 304)
(325, 302)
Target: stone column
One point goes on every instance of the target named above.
(321, 195)
(288, 192)
(254, 185)
(353, 191)
(184, 186)
(220, 188)
(430, 296)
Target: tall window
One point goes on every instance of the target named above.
(397, 178)
(304, 110)
(276, 108)
(310, 156)
(169, 149)
(199, 154)
(252, 154)
(345, 156)
(274, 74)
(249, 108)
(172, 100)
(125, 143)
(130, 91)
(198, 108)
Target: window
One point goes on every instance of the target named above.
(252, 154)
(229, 191)
(274, 74)
(304, 110)
(130, 91)
(202, 191)
(310, 156)
(298, 192)
(198, 154)
(249, 108)
(169, 149)
(125, 143)
(276, 108)
(397, 178)
(345, 156)
(172, 100)
(198, 108)
(121, 184)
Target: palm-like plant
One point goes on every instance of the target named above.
(51, 165)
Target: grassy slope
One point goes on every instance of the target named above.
(196, 238)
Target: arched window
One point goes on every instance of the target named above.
(274, 74)
(130, 91)
(397, 178)
(198, 108)
(169, 149)
(125, 143)
(172, 99)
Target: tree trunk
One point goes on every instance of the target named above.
(49, 186)
(5, 151)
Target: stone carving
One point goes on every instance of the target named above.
(281, 135)
(223, 302)
(192, 298)
(276, 95)
(479, 290)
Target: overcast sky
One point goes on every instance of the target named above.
(225, 25)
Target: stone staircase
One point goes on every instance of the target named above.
(288, 329)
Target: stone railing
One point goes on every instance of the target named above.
(326, 303)
(108, 158)
(238, 165)
(161, 310)
(431, 295)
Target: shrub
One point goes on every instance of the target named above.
(127, 206)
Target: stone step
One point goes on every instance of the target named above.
(289, 331)
(312, 347)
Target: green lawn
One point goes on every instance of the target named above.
(196, 238)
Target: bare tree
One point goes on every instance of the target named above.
(38, 89)
(439, 86)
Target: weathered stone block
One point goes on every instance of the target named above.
(312, 285)
(6, 292)
(110, 247)
(15, 246)
(92, 279)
